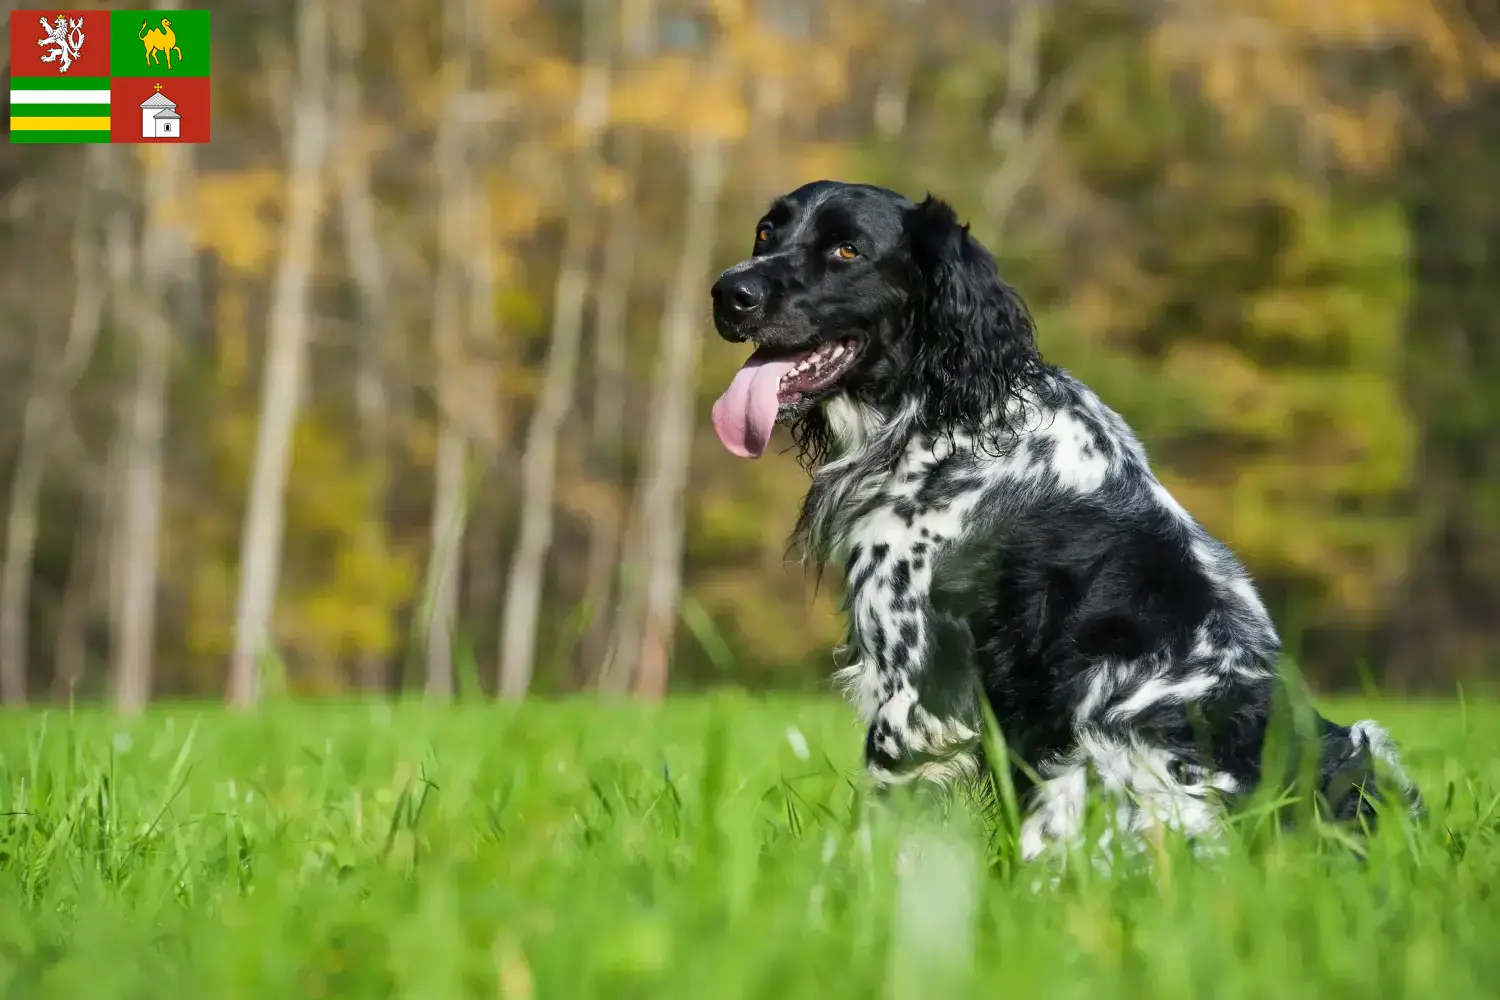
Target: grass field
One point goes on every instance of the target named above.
(709, 848)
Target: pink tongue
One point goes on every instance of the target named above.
(745, 415)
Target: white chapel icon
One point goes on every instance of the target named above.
(159, 117)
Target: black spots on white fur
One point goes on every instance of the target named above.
(949, 480)
(962, 486)
(1097, 436)
(900, 578)
(1103, 442)
(877, 643)
(860, 570)
(910, 636)
(1217, 630)
(883, 745)
(932, 538)
(1040, 451)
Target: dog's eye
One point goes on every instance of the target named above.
(762, 234)
(846, 251)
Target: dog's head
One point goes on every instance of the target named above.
(856, 290)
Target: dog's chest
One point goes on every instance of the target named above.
(898, 556)
(902, 628)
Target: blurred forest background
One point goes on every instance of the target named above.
(402, 382)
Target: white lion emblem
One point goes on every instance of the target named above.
(67, 38)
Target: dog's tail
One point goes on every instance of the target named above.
(1347, 771)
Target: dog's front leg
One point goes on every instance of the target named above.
(910, 678)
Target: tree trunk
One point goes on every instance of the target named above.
(539, 461)
(1026, 125)
(644, 642)
(121, 252)
(70, 655)
(891, 108)
(610, 383)
(21, 531)
(767, 115)
(52, 382)
(286, 360)
(163, 254)
(463, 259)
(448, 508)
(481, 584)
(366, 264)
(449, 515)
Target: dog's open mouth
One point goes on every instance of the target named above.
(816, 370)
(771, 379)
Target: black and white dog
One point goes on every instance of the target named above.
(1001, 532)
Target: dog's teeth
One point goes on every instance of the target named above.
(836, 352)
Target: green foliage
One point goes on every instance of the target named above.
(704, 848)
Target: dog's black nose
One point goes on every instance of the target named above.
(739, 296)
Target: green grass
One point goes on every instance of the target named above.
(577, 851)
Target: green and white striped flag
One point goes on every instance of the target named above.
(59, 109)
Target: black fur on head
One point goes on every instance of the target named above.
(928, 338)
(973, 341)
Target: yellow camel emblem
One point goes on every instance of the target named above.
(159, 40)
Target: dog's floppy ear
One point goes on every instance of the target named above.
(973, 342)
